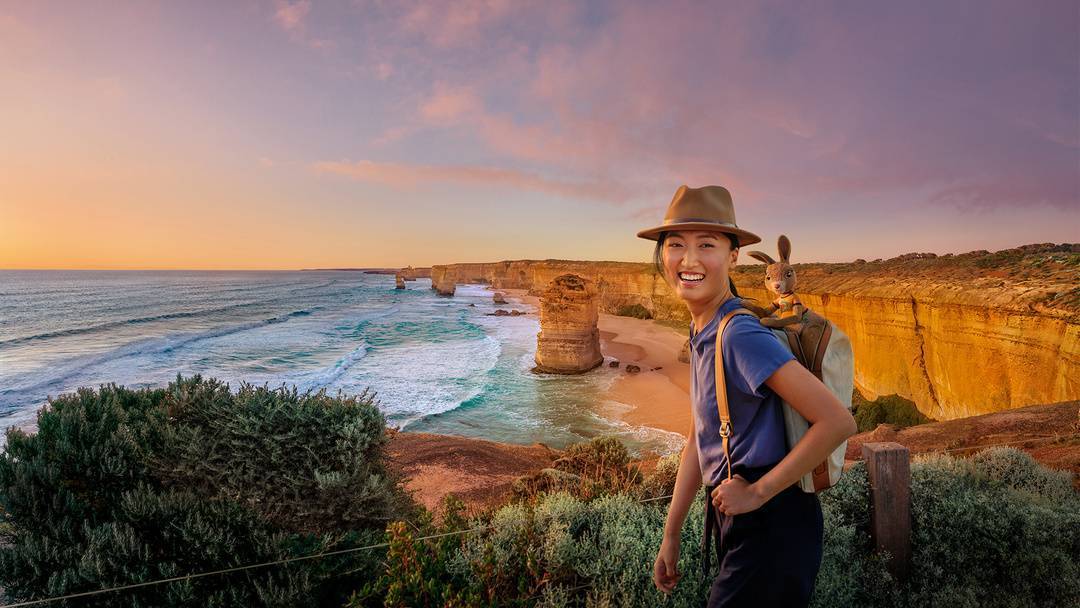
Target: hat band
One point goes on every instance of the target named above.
(697, 220)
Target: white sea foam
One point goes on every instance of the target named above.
(659, 440)
(327, 376)
(413, 381)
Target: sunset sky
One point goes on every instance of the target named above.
(263, 134)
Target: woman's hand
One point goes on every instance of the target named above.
(736, 495)
(665, 574)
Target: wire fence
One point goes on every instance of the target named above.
(276, 562)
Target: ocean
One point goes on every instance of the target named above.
(436, 364)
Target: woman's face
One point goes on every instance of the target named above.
(705, 255)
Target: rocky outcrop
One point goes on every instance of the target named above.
(498, 298)
(684, 354)
(569, 341)
(505, 313)
(959, 335)
(445, 285)
(399, 281)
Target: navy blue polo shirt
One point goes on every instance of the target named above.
(751, 354)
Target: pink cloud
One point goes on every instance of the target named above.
(451, 104)
(384, 70)
(290, 15)
(410, 176)
(448, 24)
(791, 107)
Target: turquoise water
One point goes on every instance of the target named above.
(436, 364)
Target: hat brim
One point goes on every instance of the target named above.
(745, 238)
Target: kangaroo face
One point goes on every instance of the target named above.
(780, 278)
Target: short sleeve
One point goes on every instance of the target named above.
(751, 354)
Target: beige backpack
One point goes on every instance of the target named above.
(826, 352)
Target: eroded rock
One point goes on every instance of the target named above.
(569, 341)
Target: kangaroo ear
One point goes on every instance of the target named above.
(784, 245)
(761, 256)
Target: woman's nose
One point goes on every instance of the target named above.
(691, 257)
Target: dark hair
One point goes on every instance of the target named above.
(658, 257)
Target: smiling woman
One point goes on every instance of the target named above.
(771, 530)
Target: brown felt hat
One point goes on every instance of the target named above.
(704, 208)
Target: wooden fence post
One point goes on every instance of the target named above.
(888, 465)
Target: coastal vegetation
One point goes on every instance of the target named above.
(887, 409)
(634, 310)
(996, 529)
(122, 486)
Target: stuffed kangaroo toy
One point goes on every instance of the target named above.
(787, 311)
(818, 345)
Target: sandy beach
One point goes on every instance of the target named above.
(658, 399)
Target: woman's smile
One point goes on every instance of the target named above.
(691, 279)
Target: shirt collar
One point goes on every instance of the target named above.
(708, 333)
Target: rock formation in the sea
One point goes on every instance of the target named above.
(445, 285)
(614, 363)
(684, 353)
(569, 341)
(399, 281)
(632, 369)
(498, 297)
(959, 334)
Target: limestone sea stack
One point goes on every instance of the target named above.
(445, 286)
(684, 354)
(498, 298)
(569, 341)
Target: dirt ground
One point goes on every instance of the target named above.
(477, 471)
(1050, 433)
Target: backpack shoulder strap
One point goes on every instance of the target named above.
(721, 384)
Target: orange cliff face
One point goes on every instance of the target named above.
(959, 335)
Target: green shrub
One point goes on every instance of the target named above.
(661, 482)
(997, 529)
(634, 310)
(993, 530)
(587, 470)
(123, 486)
(563, 551)
(417, 574)
(889, 409)
(984, 534)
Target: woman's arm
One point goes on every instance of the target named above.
(830, 424)
(687, 482)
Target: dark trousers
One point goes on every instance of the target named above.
(769, 556)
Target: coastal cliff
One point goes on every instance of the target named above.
(960, 335)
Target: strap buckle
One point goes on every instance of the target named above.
(725, 428)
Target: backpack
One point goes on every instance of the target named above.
(826, 352)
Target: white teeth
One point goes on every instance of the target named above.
(690, 276)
